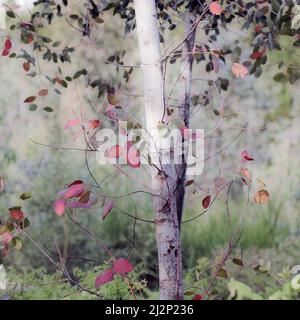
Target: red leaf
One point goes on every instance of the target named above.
(198, 297)
(107, 209)
(5, 52)
(29, 99)
(215, 8)
(258, 28)
(16, 214)
(246, 156)
(75, 182)
(122, 265)
(7, 44)
(43, 92)
(256, 55)
(59, 206)
(105, 277)
(26, 66)
(206, 202)
(94, 124)
(29, 38)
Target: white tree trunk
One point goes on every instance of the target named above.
(163, 175)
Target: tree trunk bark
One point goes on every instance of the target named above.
(185, 91)
(163, 176)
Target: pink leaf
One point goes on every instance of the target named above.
(246, 175)
(239, 70)
(74, 191)
(133, 155)
(107, 209)
(59, 206)
(122, 265)
(105, 277)
(215, 8)
(77, 204)
(216, 64)
(206, 202)
(71, 123)
(6, 237)
(111, 112)
(246, 156)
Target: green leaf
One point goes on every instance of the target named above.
(280, 77)
(48, 109)
(80, 73)
(56, 44)
(237, 261)
(32, 107)
(46, 39)
(25, 195)
(189, 293)
(24, 224)
(11, 14)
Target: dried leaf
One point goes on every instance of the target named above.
(239, 70)
(262, 196)
(222, 273)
